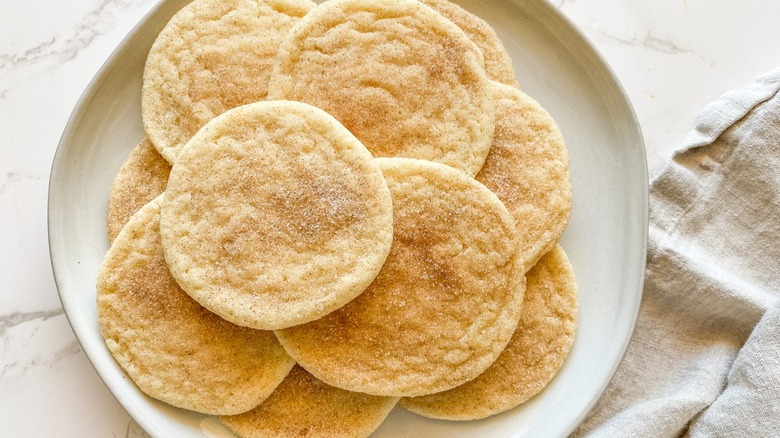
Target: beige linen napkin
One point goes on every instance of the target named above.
(705, 356)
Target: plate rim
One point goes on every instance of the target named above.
(68, 131)
(644, 204)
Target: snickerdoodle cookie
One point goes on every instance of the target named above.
(528, 168)
(170, 346)
(498, 64)
(141, 178)
(211, 56)
(445, 303)
(303, 406)
(275, 215)
(405, 80)
(533, 357)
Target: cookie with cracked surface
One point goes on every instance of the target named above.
(405, 80)
(528, 168)
(533, 357)
(498, 64)
(170, 346)
(275, 215)
(211, 56)
(305, 406)
(445, 303)
(141, 178)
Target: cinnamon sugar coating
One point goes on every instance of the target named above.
(275, 215)
(528, 168)
(445, 303)
(533, 357)
(213, 55)
(170, 346)
(498, 64)
(141, 178)
(403, 79)
(303, 406)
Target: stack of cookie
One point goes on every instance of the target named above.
(338, 208)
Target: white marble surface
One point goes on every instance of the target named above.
(672, 56)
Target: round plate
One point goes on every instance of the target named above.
(606, 238)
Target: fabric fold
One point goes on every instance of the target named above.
(750, 404)
(693, 366)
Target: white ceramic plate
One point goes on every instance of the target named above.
(605, 240)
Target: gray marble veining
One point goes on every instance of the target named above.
(16, 318)
(58, 49)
